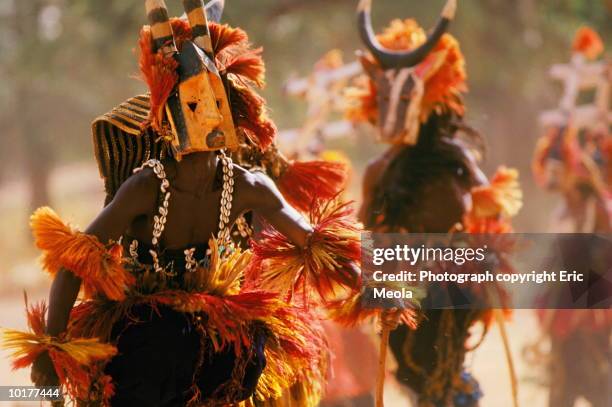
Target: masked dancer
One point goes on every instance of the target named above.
(169, 313)
(428, 181)
(574, 159)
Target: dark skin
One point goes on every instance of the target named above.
(446, 199)
(440, 205)
(372, 175)
(192, 219)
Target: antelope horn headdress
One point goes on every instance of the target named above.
(161, 30)
(199, 24)
(400, 59)
(214, 10)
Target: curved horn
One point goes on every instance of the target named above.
(161, 30)
(199, 24)
(401, 59)
(214, 10)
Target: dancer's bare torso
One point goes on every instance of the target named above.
(192, 220)
(194, 204)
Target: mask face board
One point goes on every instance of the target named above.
(399, 98)
(399, 106)
(400, 76)
(198, 112)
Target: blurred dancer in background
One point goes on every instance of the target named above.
(574, 159)
(428, 181)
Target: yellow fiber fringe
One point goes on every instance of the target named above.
(503, 196)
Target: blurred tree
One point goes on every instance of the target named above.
(56, 56)
(32, 140)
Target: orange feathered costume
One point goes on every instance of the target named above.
(445, 79)
(227, 307)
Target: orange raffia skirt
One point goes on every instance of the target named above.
(137, 337)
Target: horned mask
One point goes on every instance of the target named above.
(400, 75)
(198, 109)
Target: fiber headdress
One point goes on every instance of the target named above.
(234, 56)
(443, 70)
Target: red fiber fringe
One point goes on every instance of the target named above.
(82, 380)
(160, 75)
(329, 261)
(295, 346)
(304, 182)
(249, 112)
(350, 312)
(247, 65)
(223, 37)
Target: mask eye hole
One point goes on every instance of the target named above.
(192, 106)
(218, 104)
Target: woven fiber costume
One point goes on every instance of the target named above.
(169, 316)
(574, 158)
(427, 182)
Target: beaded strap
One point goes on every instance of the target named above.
(134, 250)
(159, 220)
(243, 227)
(227, 195)
(190, 261)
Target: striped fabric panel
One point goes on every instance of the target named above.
(130, 116)
(122, 141)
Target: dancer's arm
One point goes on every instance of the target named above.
(266, 200)
(132, 199)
